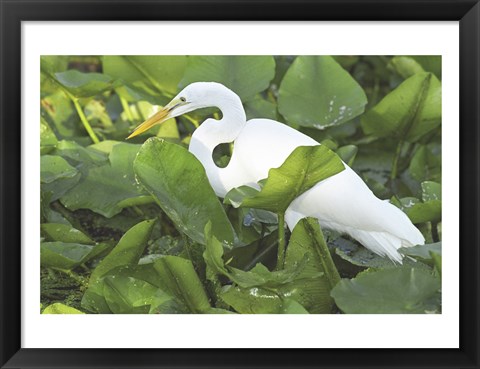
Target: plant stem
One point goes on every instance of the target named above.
(84, 120)
(326, 260)
(281, 241)
(393, 174)
(126, 108)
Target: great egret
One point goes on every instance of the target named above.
(342, 202)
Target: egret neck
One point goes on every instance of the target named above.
(212, 133)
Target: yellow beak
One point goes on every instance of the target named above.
(157, 118)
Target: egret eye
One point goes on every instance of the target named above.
(182, 99)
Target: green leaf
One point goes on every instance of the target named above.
(426, 163)
(78, 154)
(260, 301)
(317, 92)
(262, 291)
(429, 210)
(347, 153)
(312, 287)
(48, 140)
(64, 233)
(148, 74)
(83, 84)
(423, 251)
(53, 168)
(431, 191)
(260, 108)
(259, 276)
(127, 295)
(63, 255)
(389, 291)
(180, 280)
(408, 112)
(59, 308)
(304, 167)
(245, 75)
(108, 188)
(57, 176)
(128, 250)
(177, 181)
(405, 66)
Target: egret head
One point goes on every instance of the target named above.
(195, 96)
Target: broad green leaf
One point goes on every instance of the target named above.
(48, 140)
(260, 108)
(431, 191)
(108, 188)
(83, 84)
(177, 181)
(317, 92)
(408, 112)
(180, 280)
(245, 75)
(50, 64)
(128, 250)
(426, 163)
(389, 291)
(54, 167)
(57, 176)
(313, 285)
(153, 75)
(78, 154)
(405, 66)
(95, 297)
(63, 255)
(304, 167)
(423, 251)
(127, 295)
(427, 210)
(64, 233)
(58, 308)
(53, 63)
(417, 211)
(260, 301)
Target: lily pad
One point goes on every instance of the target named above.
(317, 92)
(389, 291)
(246, 75)
(106, 189)
(178, 183)
(409, 112)
(152, 75)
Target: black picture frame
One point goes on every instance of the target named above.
(467, 12)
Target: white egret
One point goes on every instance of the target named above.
(342, 202)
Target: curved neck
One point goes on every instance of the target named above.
(213, 132)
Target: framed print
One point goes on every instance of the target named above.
(239, 184)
